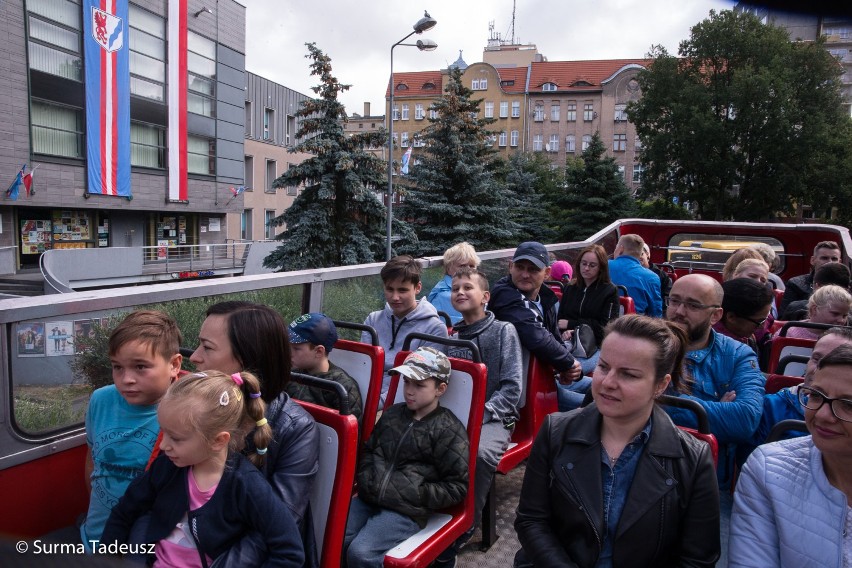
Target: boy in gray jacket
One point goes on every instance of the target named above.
(500, 349)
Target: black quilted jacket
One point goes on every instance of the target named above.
(415, 467)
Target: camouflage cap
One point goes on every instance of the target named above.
(425, 363)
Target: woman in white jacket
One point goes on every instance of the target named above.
(791, 507)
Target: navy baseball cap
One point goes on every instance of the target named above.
(533, 252)
(314, 328)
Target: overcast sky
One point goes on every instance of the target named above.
(357, 35)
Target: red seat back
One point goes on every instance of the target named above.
(365, 364)
(706, 437)
(775, 383)
(626, 305)
(556, 286)
(783, 346)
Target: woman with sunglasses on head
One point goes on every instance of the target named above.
(616, 483)
(791, 506)
(590, 298)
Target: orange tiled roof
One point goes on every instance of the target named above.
(415, 80)
(577, 75)
(516, 74)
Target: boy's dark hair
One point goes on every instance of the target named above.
(832, 245)
(402, 267)
(744, 296)
(260, 343)
(474, 275)
(832, 273)
(157, 330)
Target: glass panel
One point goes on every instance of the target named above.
(354, 298)
(201, 65)
(39, 29)
(199, 85)
(143, 88)
(201, 45)
(200, 155)
(147, 44)
(62, 11)
(147, 146)
(199, 105)
(43, 58)
(146, 21)
(711, 251)
(147, 67)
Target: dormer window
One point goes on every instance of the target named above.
(429, 86)
(548, 87)
(581, 83)
(402, 87)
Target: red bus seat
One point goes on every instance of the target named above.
(779, 431)
(783, 346)
(775, 383)
(779, 297)
(626, 305)
(332, 489)
(703, 431)
(557, 287)
(365, 364)
(465, 397)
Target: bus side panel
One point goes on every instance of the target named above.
(44, 494)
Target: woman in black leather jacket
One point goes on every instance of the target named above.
(590, 298)
(616, 483)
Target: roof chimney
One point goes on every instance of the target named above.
(366, 109)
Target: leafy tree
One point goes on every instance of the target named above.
(745, 124)
(531, 178)
(455, 193)
(594, 195)
(337, 219)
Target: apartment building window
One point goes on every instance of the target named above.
(504, 109)
(245, 225)
(248, 173)
(554, 143)
(418, 111)
(571, 112)
(201, 75)
(268, 124)
(147, 54)
(554, 112)
(548, 87)
(479, 84)
(571, 143)
(539, 112)
(291, 129)
(271, 175)
(637, 173)
(268, 216)
(433, 114)
(405, 111)
(619, 142)
(200, 155)
(588, 112)
(587, 140)
(249, 120)
(502, 140)
(395, 112)
(620, 113)
(417, 142)
(516, 109)
(489, 109)
(57, 130)
(291, 189)
(621, 172)
(403, 139)
(54, 38)
(840, 32)
(637, 144)
(513, 140)
(147, 146)
(537, 143)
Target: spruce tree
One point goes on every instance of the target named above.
(338, 218)
(531, 179)
(454, 194)
(594, 195)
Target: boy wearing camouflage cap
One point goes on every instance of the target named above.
(415, 462)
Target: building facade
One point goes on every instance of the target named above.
(357, 123)
(183, 141)
(271, 126)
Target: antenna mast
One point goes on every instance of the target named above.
(512, 34)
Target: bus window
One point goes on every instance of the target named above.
(711, 251)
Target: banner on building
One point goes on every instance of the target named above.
(177, 100)
(107, 54)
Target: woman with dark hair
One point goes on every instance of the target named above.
(239, 336)
(616, 483)
(590, 298)
(791, 507)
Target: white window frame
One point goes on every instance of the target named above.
(538, 112)
(403, 139)
(513, 139)
(588, 112)
(620, 113)
(395, 112)
(504, 109)
(489, 109)
(516, 109)
(418, 111)
(587, 141)
(502, 139)
(404, 111)
(538, 142)
(554, 112)
(547, 87)
(554, 142)
(571, 143)
(619, 142)
(571, 112)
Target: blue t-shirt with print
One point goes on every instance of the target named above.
(121, 437)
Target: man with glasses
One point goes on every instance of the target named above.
(726, 380)
(745, 309)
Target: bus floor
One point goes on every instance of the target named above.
(502, 552)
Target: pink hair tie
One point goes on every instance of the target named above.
(237, 379)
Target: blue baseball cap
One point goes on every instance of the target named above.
(314, 328)
(533, 252)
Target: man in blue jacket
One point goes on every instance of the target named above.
(727, 381)
(625, 269)
(523, 300)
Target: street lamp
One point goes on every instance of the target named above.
(427, 22)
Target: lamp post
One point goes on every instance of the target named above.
(427, 22)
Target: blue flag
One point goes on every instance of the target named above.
(12, 192)
(405, 159)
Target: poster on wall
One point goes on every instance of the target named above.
(30, 339)
(83, 329)
(213, 225)
(35, 236)
(60, 340)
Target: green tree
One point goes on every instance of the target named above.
(337, 219)
(745, 124)
(531, 179)
(594, 194)
(454, 192)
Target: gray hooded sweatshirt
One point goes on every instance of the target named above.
(500, 349)
(392, 332)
